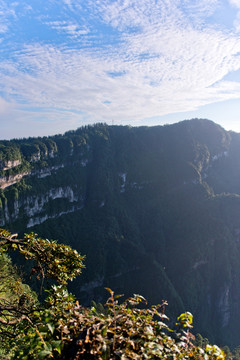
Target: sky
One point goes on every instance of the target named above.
(69, 63)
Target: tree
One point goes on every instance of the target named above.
(60, 328)
(50, 261)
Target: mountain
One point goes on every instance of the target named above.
(155, 210)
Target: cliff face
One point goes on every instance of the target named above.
(156, 211)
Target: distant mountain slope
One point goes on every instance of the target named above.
(155, 209)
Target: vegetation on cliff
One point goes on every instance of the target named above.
(155, 210)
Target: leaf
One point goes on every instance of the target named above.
(118, 296)
(57, 346)
(48, 347)
(51, 327)
(56, 343)
(186, 319)
(104, 331)
(44, 353)
(109, 290)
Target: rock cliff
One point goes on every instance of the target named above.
(156, 211)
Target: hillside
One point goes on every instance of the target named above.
(155, 210)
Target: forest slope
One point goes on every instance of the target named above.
(155, 210)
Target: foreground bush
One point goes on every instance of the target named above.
(66, 330)
(60, 328)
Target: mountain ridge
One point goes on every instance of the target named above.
(155, 209)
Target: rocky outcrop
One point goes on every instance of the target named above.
(37, 220)
(6, 181)
(35, 204)
(35, 208)
(6, 165)
(42, 173)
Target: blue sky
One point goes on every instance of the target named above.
(68, 63)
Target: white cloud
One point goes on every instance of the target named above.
(164, 63)
(7, 12)
(182, 71)
(68, 2)
(3, 28)
(237, 22)
(124, 14)
(235, 3)
(203, 8)
(133, 13)
(70, 28)
(72, 5)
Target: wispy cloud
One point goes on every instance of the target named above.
(169, 60)
(142, 13)
(7, 11)
(236, 5)
(162, 83)
(70, 28)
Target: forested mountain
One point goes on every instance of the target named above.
(155, 210)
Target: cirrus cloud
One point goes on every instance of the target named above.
(166, 58)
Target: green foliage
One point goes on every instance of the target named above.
(66, 330)
(185, 320)
(19, 310)
(11, 291)
(9, 152)
(60, 328)
(52, 260)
